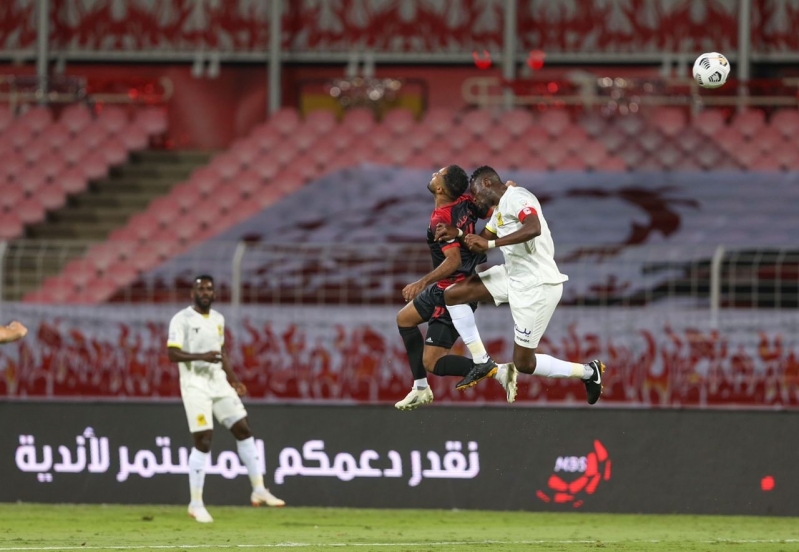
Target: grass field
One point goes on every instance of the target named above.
(67, 527)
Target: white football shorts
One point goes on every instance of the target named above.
(531, 307)
(207, 396)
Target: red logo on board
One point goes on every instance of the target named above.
(594, 467)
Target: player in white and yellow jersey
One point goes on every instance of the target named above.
(529, 281)
(209, 389)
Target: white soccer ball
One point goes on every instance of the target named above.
(711, 70)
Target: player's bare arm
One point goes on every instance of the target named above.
(13, 331)
(177, 355)
(531, 228)
(451, 263)
(232, 378)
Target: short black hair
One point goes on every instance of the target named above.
(485, 172)
(204, 277)
(455, 181)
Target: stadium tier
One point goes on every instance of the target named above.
(280, 157)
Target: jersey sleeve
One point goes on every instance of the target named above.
(492, 224)
(177, 332)
(521, 207)
(221, 330)
(443, 216)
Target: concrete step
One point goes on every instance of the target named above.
(167, 157)
(97, 231)
(149, 186)
(106, 198)
(90, 215)
(176, 171)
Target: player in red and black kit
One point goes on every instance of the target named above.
(451, 263)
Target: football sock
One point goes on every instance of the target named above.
(552, 367)
(420, 383)
(453, 365)
(197, 461)
(463, 320)
(249, 455)
(414, 345)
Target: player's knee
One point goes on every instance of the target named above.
(202, 441)
(429, 363)
(453, 296)
(241, 430)
(525, 364)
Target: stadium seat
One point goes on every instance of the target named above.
(360, 120)
(265, 137)
(134, 137)
(477, 122)
(36, 119)
(497, 139)
(144, 225)
(285, 120)
(94, 164)
(763, 162)
(383, 139)
(225, 166)
(515, 156)
(766, 139)
(122, 274)
(439, 121)
(399, 121)
(112, 119)
(613, 139)
(57, 136)
(19, 135)
(265, 167)
(30, 210)
(114, 151)
(669, 121)
(249, 182)
(227, 197)
(205, 180)
(283, 154)
(11, 226)
(593, 153)
(689, 139)
(536, 139)
(631, 155)
(786, 121)
(153, 120)
(650, 140)
(51, 197)
(92, 136)
(749, 122)
(35, 150)
(593, 123)
(31, 180)
(11, 164)
(458, 140)
(611, 164)
(709, 121)
(630, 125)
(6, 117)
(321, 121)
(72, 180)
(73, 152)
(554, 121)
(11, 193)
(573, 138)
(304, 138)
(572, 162)
(516, 121)
(729, 139)
(75, 117)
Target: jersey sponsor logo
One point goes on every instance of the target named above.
(196, 330)
(201, 421)
(522, 331)
(500, 222)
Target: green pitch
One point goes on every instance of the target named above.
(67, 527)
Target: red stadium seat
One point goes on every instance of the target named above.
(786, 121)
(399, 121)
(554, 121)
(144, 225)
(593, 124)
(613, 139)
(572, 162)
(631, 125)
(749, 122)
(763, 162)
(766, 139)
(669, 120)
(265, 137)
(536, 139)
(226, 166)
(124, 234)
(497, 140)
(632, 155)
(30, 210)
(245, 151)
(205, 180)
(477, 122)
(573, 138)
(611, 164)
(51, 197)
(92, 136)
(75, 117)
(689, 139)
(249, 182)
(360, 120)
(73, 152)
(94, 165)
(11, 226)
(709, 121)
(11, 164)
(184, 196)
(114, 152)
(265, 167)
(321, 121)
(122, 274)
(35, 150)
(383, 139)
(593, 153)
(134, 137)
(283, 154)
(6, 117)
(57, 136)
(304, 138)
(31, 180)
(650, 140)
(729, 139)
(285, 120)
(36, 119)
(112, 118)
(72, 181)
(11, 194)
(106, 254)
(153, 120)
(19, 135)
(457, 140)
(516, 121)
(439, 121)
(227, 197)
(515, 156)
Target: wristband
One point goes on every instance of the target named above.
(460, 233)
(492, 244)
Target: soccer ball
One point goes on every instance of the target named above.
(711, 70)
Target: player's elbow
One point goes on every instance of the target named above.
(172, 354)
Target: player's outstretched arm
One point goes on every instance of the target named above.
(232, 378)
(14, 331)
(452, 262)
(531, 228)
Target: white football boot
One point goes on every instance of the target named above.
(415, 399)
(263, 496)
(506, 376)
(199, 513)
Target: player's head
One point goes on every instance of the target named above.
(487, 187)
(450, 181)
(202, 291)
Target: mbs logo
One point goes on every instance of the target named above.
(593, 468)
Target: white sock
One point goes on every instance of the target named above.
(249, 456)
(197, 461)
(420, 384)
(463, 320)
(552, 367)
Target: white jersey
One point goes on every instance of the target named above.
(530, 263)
(193, 332)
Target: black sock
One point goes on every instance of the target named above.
(453, 365)
(414, 345)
